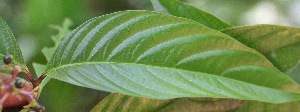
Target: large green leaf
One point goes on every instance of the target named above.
(8, 44)
(246, 32)
(180, 9)
(158, 56)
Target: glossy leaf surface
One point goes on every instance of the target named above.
(158, 56)
(180, 9)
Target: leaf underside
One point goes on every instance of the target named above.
(153, 55)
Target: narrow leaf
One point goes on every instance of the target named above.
(8, 44)
(180, 9)
(153, 55)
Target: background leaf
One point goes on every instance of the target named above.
(267, 39)
(8, 44)
(133, 53)
(130, 104)
(62, 32)
(180, 9)
(123, 103)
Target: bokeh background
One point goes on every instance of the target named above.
(29, 20)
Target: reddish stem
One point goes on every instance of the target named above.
(31, 78)
(41, 78)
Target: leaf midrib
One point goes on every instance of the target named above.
(203, 73)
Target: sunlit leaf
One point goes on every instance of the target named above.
(180, 9)
(8, 44)
(153, 55)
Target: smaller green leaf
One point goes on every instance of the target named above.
(8, 44)
(180, 9)
(280, 44)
